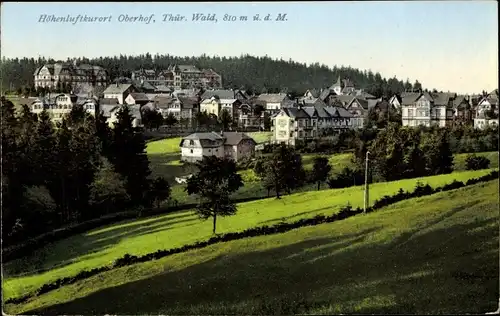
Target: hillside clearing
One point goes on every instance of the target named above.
(430, 255)
(102, 246)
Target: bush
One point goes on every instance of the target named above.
(474, 162)
(346, 178)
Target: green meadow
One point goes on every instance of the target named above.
(104, 245)
(164, 157)
(431, 255)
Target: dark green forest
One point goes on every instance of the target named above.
(258, 74)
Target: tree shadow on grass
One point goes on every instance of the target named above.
(362, 278)
(286, 218)
(87, 246)
(168, 166)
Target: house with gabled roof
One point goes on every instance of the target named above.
(312, 94)
(488, 103)
(137, 98)
(274, 102)
(358, 107)
(223, 94)
(427, 109)
(307, 122)
(462, 110)
(120, 91)
(232, 145)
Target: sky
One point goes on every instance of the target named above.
(447, 45)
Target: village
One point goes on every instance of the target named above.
(185, 93)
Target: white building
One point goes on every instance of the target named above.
(60, 74)
(60, 105)
(232, 145)
(119, 91)
(427, 109)
(302, 123)
(274, 102)
(481, 121)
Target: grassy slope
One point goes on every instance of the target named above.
(431, 255)
(102, 246)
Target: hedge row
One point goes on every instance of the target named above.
(346, 212)
(30, 245)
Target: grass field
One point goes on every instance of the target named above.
(102, 246)
(166, 163)
(431, 255)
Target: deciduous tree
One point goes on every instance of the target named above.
(214, 183)
(321, 170)
(225, 119)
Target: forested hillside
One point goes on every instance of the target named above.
(260, 74)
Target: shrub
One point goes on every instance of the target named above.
(474, 162)
(346, 178)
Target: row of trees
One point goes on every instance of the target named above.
(400, 152)
(71, 172)
(262, 74)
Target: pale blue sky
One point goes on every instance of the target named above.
(448, 45)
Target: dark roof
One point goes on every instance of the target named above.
(109, 101)
(461, 102)
(441, 99)
(315, 93)
(343, 99)
(163, 101)
(296, 112)
(107, 109)
(139, 96)
(310, 110)
(408, 98)
(382, 105)
(143, 85)
(188, 102)
(363, 94)
(372, 103)
(337, 111)
(214, 139)
(272, 97)
(234, 138)
(208, 136)
(117, 88)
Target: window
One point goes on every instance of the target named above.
(191, 142)
(438, 112)
(191, 151)
(410, 112)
